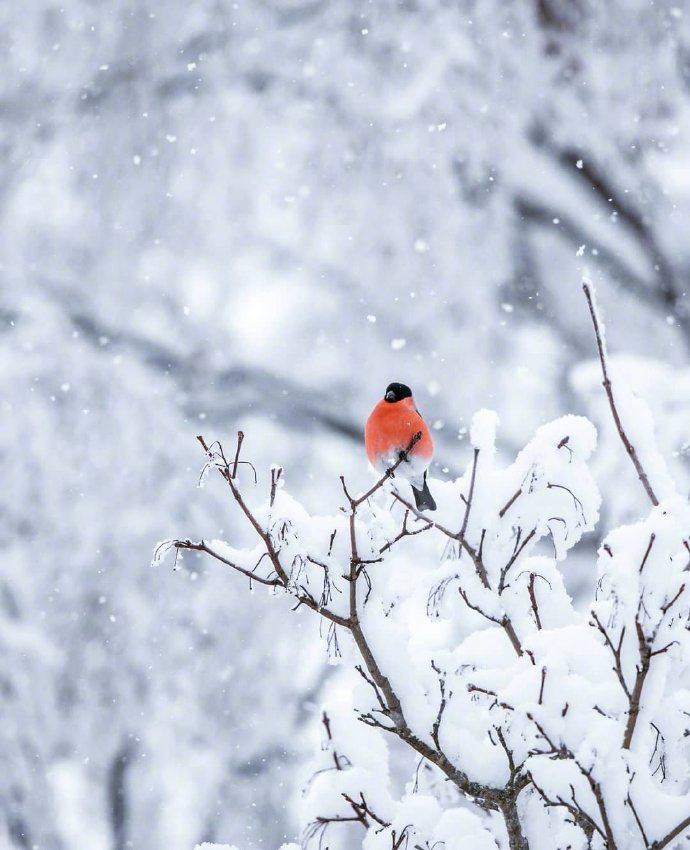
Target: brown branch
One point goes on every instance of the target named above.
(541, 687)
(599, 797)
(665, 608)
(516, 554)
(630, 449)
(508, 505)
(402, 457)
(505, 622)
(642, 671)
(615, 651)
(240, 438)
(275, 478)
(637, 820)
(452, 535)
(404, 532)
(492, 797)
(441, 708)
(533, 600)
(652, 538)
(674, 833)
(509, 629)
(371, 813)
(470, 495)
(201, 546)
(582, 818)
(224, 469)
(498, 799)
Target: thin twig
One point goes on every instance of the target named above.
(504, 510)
(240, 438)
(476, 560)
(615, 651)
(652, 538)
(674, 833)
(201, 546)
(635, 697)
(470, 495)
(533, 600)
(224, 470)
(402, 457)
(637, 820)
(603, 359)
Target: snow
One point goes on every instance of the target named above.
(475, 634)
(193, 239)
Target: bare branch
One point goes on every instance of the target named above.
(630, 449)
(516, 554)
(533, 600)
(452, 535)
(389, 473)
(637, 819)
(508, 505)
(674, 833)
(441, 708)
(642, 671)
(615, 651)
(201, 546)
(220, 462)
(652, 538)
(470, 495)
(240, 439)
(404, 532)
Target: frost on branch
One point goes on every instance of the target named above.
(529, 724)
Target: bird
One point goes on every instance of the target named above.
(389, 430)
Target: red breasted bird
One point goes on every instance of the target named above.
(388, 432)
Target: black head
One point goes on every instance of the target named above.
(396, 392)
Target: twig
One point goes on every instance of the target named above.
(615, 651)
(240, 438)
(470, 495)
(637, 820)
(674, 833)
(476, 559)
(516, 554)
(499, 799)
(630, 449)
(642, 670)
(504, 510)
(541, 687)
(201, 546)
(441, 707)
(276, 472)
(533, 600)
(601, 804)
(224, 470)
(652, 538)
(404, 532)
(402, 457)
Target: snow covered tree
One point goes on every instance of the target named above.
(514, 719)
(210, 210)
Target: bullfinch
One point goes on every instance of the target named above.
(389, 430)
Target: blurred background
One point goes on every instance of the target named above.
(255, 214)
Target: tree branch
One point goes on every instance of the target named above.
(630, 449)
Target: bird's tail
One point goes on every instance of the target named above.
(423, 498)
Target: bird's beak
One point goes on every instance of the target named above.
(390, 396)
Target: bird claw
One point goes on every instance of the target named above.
(402, 455)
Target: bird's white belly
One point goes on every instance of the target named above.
(412, 469)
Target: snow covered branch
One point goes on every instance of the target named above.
(533, 725)
(548, 724)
